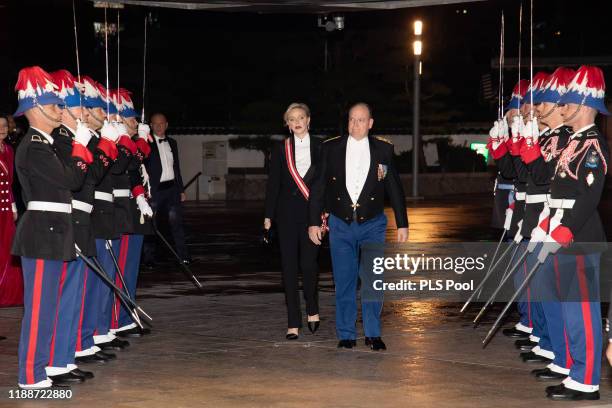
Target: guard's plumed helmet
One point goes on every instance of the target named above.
(35, 87)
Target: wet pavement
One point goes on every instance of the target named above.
(226, 347)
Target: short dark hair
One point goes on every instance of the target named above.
(158, 114)
(364, 105)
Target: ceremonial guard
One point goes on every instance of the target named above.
(105, 152)
(44, 237)
(70, 315)
(540, 154)
(137, 209)
(575, 225)
(103, 221)
(355, 173)
(506, 154)
(535, 196)
(72, 129)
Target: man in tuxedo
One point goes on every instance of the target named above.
(166, 183)
(355, 173)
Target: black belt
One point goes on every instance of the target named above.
(165, 185)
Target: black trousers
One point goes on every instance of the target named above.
(298, 253)
(167, 206)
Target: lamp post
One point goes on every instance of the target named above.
(417, 48)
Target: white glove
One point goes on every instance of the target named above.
(494, 132)
(145, 175)
(508, 219)
(518, 237)
(535, 130)
(527, 132)
(517, 126)
(549, 247)
(121, 128)
(144, 132)
(83, 135)
(539, 233)
(503, 129)
(143, 206)
(109, 132)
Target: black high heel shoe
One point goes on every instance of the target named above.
(291, 336)
(313, 326)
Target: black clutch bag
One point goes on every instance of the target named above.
(267, 237)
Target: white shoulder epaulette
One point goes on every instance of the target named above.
(383, 139)
(331, 138)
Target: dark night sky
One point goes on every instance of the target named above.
(241, 70)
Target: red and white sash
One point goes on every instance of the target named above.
(293, 170)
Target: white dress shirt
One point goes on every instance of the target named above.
(167, 161)
(302, 154)
(357, 166)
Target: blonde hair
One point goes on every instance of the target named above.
(296, 105)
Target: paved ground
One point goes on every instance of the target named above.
(226, 348)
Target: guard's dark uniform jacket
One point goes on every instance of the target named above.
(520, 191)
(284, 200)
(329, 194)
(136, 183)
(541, 170)
(577, 186)
(504, 190)
(45, 178)
(83, 197)
(102, 216)
(123, 217)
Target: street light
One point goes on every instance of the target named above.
(417, 50)
(418, 27)
(417, 47)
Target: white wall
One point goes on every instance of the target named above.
(190, 152)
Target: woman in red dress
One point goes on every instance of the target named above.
(11, 280)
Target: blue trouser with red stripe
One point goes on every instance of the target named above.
(582, 315)
(63, 343)
(105, 293)
(90, 307)
(41, 281)
(547, 284)
(524, 303)
(129, 262)
(535, 309)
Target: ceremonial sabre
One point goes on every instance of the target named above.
(109, 247)
(186, 269)
(511, 259)
(76, 47)
(126, 293)
(518, 100)
(107, 80)
(512, 299)
(118, 58)
(126, 301)
(500, 90)
(487, 276)
(144, 69)
(499, 287)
